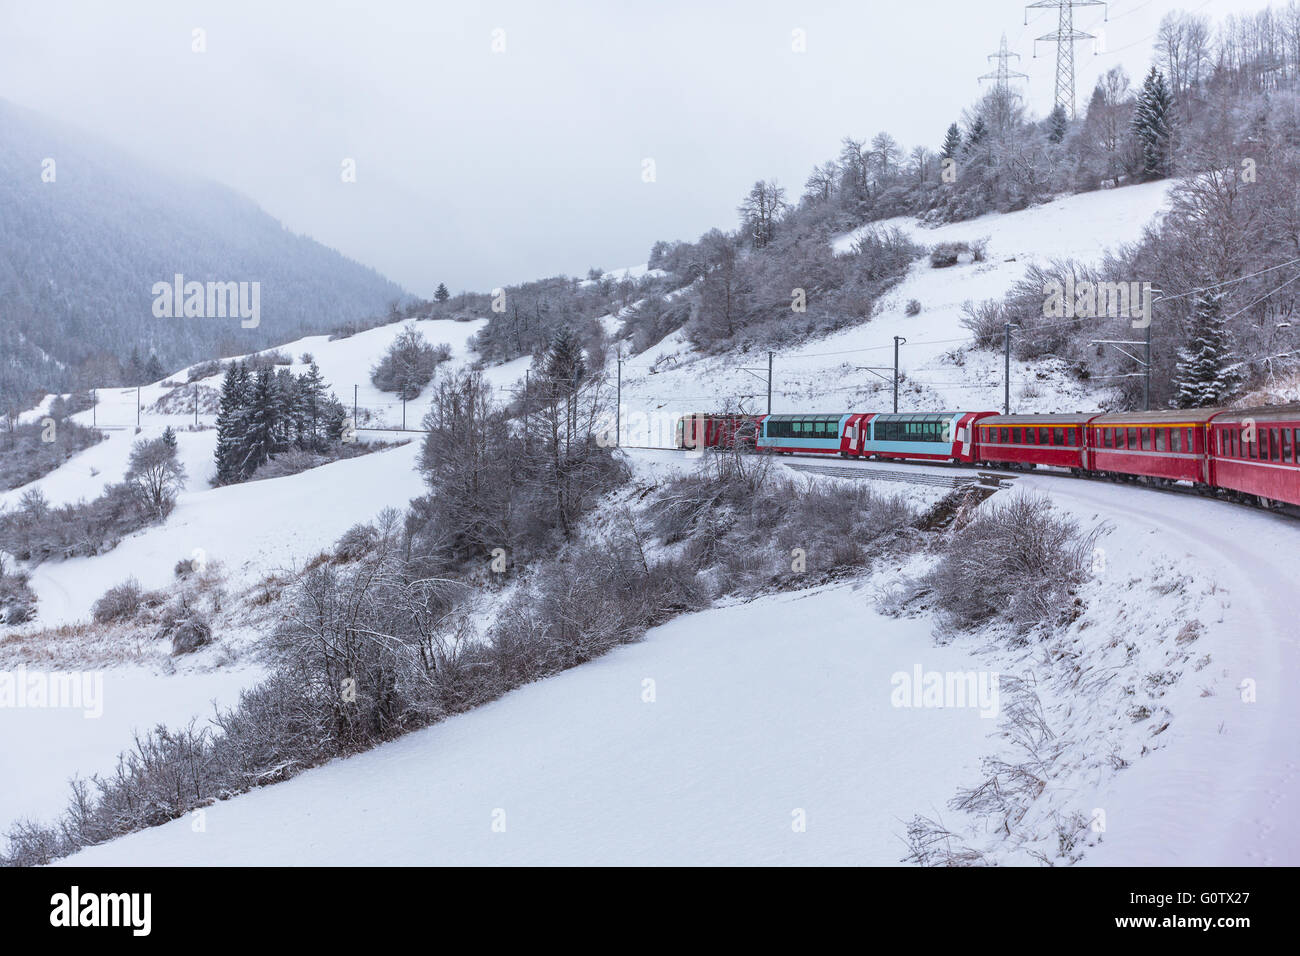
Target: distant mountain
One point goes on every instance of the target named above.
(86, 231)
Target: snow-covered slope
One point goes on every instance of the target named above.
(756, 718)
(768, 732)
(671, 379)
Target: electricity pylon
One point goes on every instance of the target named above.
(1065, 37)
(1003, 76)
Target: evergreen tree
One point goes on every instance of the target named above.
(1057, 124)
(133, 373)
(230, 424)
(1204, 376)
(169, 438)
(951, 143)
(1153, 125)
(261, 436)
(153, 370)
(441, 294)
(978, 130)
(563, 365)
(312, 395)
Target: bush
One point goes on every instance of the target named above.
(119, 603)
(946, 254)
(205, 370)
(752, 529)
(25, 455)
(913, 307)
(409, 364)
(356, 542)
(186, 627)
(268, 359)
(17, 600)
(986, 322)
(1016, 560)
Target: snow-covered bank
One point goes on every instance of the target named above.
(44, 747)
(757, 716)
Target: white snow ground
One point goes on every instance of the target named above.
(755, 718)
(783, 705)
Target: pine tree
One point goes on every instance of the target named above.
(441, 294)
(134, 370)
(1203, 377)
(230, 424)
(1153, 125)
(951, 143)
(153, 370)
(1057, 124)
(978, 130)
(563, 365)
(312, 391)
(169, 438)
(261, 437)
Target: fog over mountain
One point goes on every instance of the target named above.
(88, 229)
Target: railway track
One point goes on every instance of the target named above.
(881, 474)
(994, 480)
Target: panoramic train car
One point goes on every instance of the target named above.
(806, 433)
(1256, 452)
(702, 430)
(1165, 446)
(1030, 440)
(941, 436)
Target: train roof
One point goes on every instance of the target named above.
(1289, 412)
(918, 416)
(1077, 418)
(807, 416)
(1165, 418)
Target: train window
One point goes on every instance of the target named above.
(1146, 439)
(1160, 439)
(1132, 438)
(1058, 436)
(1069, 437)
(1274, 445)
(1108, 437)
(1003, 436)
(1176, 439)
(1286, 444)
(1296, 444)
(1030, 436)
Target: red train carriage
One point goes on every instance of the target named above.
(1256, 452)
(702, 430)
(1031, 440)
(1162, 447)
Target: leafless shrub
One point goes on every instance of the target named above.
(946, 254)
(930, 843)
(121, 602)
(1018, 560)
(185, 626)
(986, 322)
(913, 307)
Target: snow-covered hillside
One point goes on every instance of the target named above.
(671, 379)
(769, 732)
(759, 732)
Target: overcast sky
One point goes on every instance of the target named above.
(480, 168)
